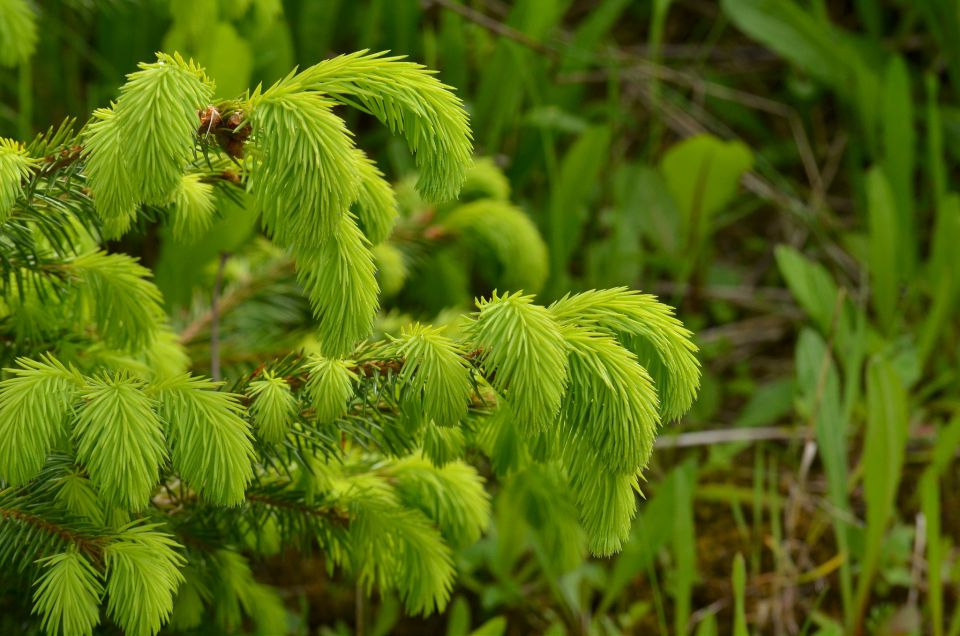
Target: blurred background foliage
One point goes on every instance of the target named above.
(780, 170)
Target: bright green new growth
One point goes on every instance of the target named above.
(443, 444)
(330, 386)
(34, 405)
(435, 376)
(575, 391)
(543, 490)
(143, 574)
(138, 149)
(239, 593)
(80, 498)
(68, 595)
(157, 118)
(18, 31)
(117, 295)
(273, 406)
(607, 504)
(194, 208)
(485, 180)
(452, 495)
(121, 429)
(391, 268)
(306, 173)
(212, 447)
(120, 440)
(303, 172)
(505, 235)
(339, 278)
(407, 554)
(523, 347)
(610, 407)
(359, 449)
(408, 99)
(376, 202)
(15, 166)
(649, 329)
(110, 180)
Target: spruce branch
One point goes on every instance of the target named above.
(143, 572)
(151, 128)
(212, 443)
(15, 166)
(305, 172)
(409, 100)
(434, 376)
(34, 406)
(356, 449)
(339, 278)
(328, 513)
(648, 328)
(523, 346)
(92, 546)
(272, 405)
(124, 461)
(68, 595)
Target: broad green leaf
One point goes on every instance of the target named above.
(819, 385)
(948, 442)
(811, 285)
(641, 207)
(590, 32)
(703, 175)
(707, 626)
(644, 190)
(496, 626)
(458, 617)
(792, 33)
(768, 403)
(899, 141)
(885, 442)
(820, 49)
(930, 506)
(884, 247)
(228, 58)
(936, 166)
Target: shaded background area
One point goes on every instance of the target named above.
(780, 171)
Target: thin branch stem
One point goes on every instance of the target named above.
(215, 319)
(233, 298)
